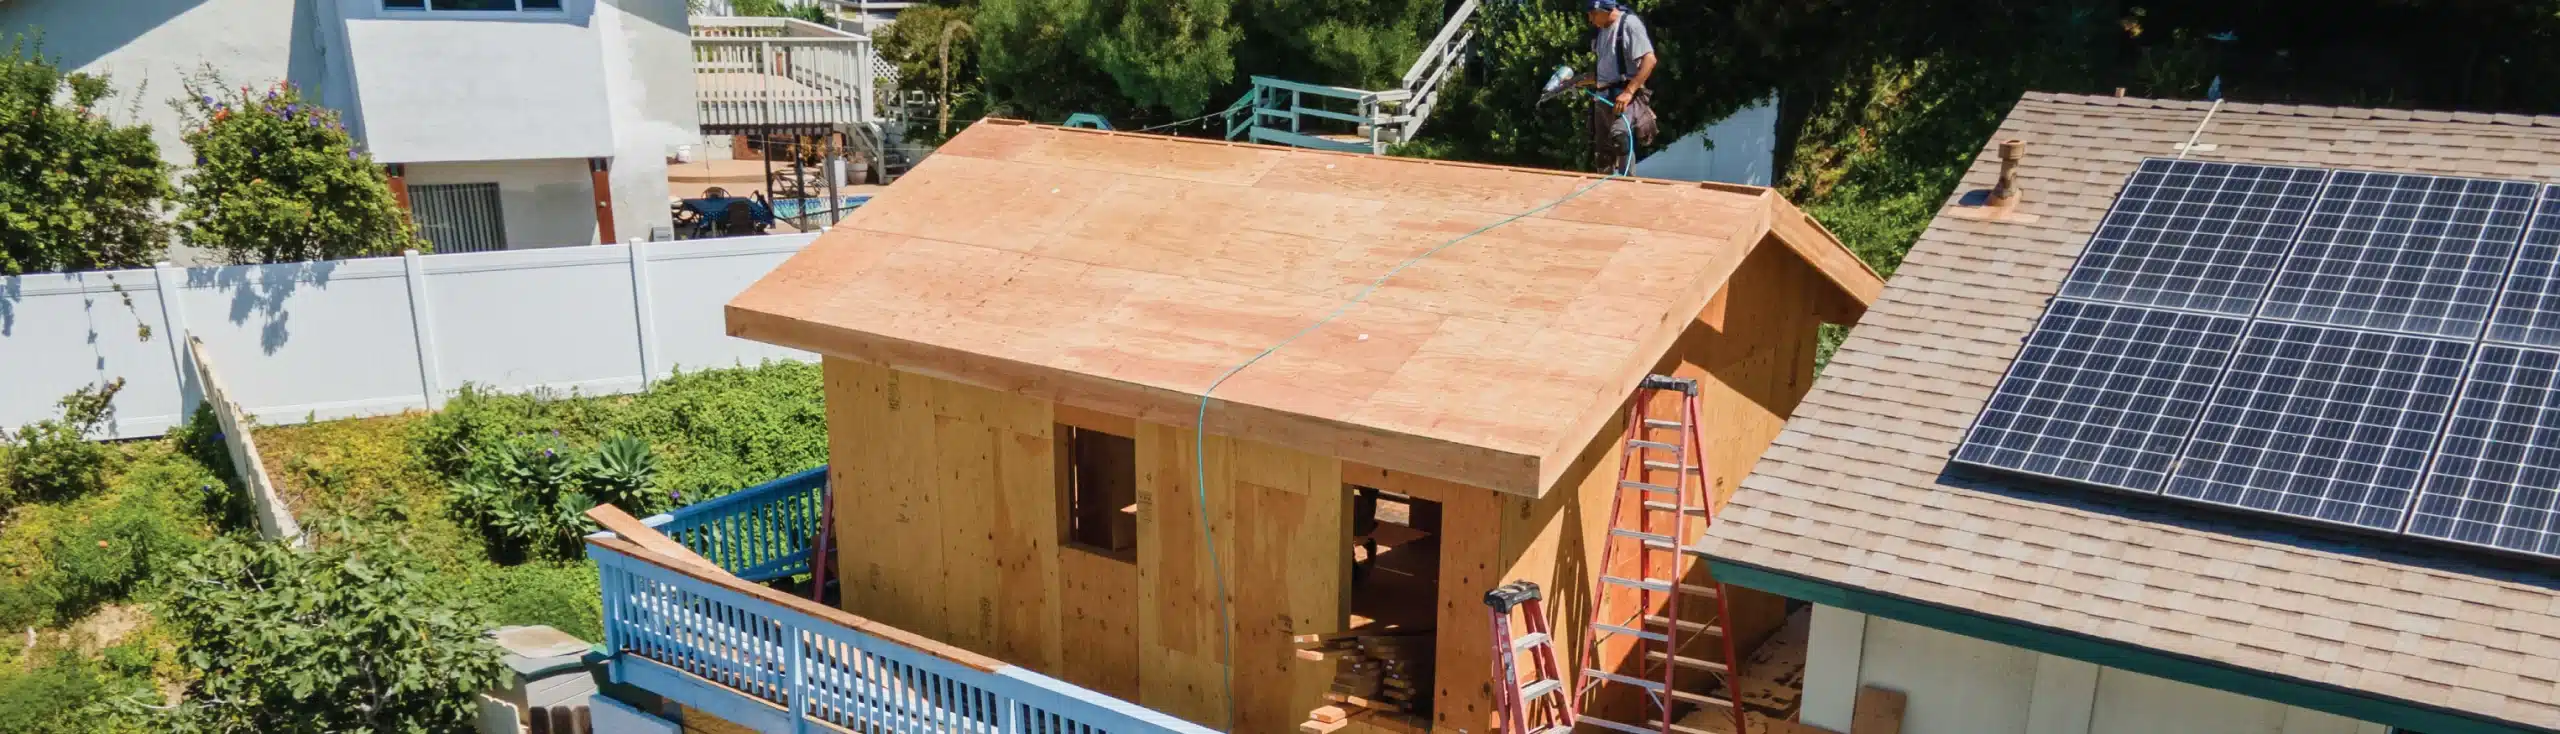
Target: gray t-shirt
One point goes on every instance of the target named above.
(1621, 49)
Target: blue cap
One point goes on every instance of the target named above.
(1605, 5)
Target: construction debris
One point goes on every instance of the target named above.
(1773, 677)
(1371, 673)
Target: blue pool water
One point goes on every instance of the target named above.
(789, 208)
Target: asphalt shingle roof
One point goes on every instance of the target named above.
(1857, 492)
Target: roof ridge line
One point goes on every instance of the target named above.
(2307, 111)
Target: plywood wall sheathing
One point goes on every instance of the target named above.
(947, 499)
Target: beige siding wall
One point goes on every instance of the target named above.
(1962, 685)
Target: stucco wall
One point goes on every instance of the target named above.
(549, 203)
(648, 69)
(149, 47)
(601, 78)
(1963, 685)
(439, 87)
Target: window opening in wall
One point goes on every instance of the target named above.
(507, 6)
(1385, 651)
(459, 217)
(1098, 492)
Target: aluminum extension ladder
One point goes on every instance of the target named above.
(1518, 701)
(1662, 467)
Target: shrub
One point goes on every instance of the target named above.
(54, 458)
(77, 191)
(115, 552)
(60, 561)
(278, 179)
(200, 440)
(475, 421)
(352, 636)
(716, 431)
(531, 492)
(60, 695)
(564, 596)
(728, 429)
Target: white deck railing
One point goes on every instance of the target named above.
(778, 663)
(754, 72)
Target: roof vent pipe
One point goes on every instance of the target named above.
(2005, 195)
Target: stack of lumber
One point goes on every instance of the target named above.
(1372, 672)
(1329, 719)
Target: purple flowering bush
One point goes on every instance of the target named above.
(277, 178)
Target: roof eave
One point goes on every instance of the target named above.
(1478, 466)
(2347, 702)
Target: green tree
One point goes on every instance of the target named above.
(935, 50)
(1493, 115)
(811, 10)
(278, 179)
(1366, 44)
(1045, 59)
(77, 191)
(352, 636)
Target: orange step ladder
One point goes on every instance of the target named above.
(1520, 701)
(1662, 478)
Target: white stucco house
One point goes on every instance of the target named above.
(507, 124)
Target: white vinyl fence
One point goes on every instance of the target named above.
(375, 336)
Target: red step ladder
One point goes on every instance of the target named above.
(1662, 466)
(1519, 701)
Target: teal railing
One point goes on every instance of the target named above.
(1325, 117)
(759, 533)
(725, 645)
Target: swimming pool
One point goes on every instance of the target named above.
(789, 208)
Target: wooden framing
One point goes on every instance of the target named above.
(1001, 293)
(951, 489)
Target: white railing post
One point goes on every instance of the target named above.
(642, 313)
(430, 379)
(797, 695)
(764, 81)
(173, 327)
(865, 78)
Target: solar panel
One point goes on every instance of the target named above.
(2496, 480)
(2102, 394)
(2402, 252)
(2322, 423)
(2197, 235)
(2529, 313)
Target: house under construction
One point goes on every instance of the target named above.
(1026, 477)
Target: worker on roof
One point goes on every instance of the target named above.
(1623, 57)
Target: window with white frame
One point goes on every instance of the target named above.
(503, 6)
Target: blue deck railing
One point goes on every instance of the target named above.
(778, 663)
(759, 533)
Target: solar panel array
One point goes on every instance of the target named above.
(2373, 350)
(2420, 254)
(2105, 394)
